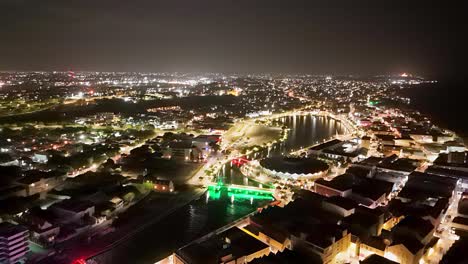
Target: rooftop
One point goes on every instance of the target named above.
(371, 161)
(8, 229)
(463, 206)
(399, 164)
(417, 225)
(229, 245)
(342, 182)
(447, 172)
(287, 256)
(342, 202)
(412, 244)
(180, 144)
(376, 259)
(73, 205)
(421, 186)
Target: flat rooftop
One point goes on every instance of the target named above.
(9, 229)
(229, 245)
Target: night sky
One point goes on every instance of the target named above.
(317, 37)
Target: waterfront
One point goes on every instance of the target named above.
(303, 131)
(439, 101)
(202, 216)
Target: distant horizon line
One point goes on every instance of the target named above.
(403, 74)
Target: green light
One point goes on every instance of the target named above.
(214, 195)
(249, 196)
(239, 192)
(247, 189)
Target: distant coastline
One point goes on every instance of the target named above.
(444, 102)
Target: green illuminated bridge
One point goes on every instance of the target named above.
(239, 192)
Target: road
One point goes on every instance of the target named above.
(444, 232)
(140, 222)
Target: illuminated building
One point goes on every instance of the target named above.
(42, 227)
(234, 92)
(409, 253)
(346, 151)
(40, 182)
(366, 191)
(182, 150)
(377, 259)
(286, 167)
(205, 143)
(327, 242)
(371, 246)
(13, 243)
(365, 142)
(277, 240)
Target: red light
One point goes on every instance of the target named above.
(79, 261)
(240, 161)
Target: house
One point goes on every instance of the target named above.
(288, 256)
(338, 186)
(364, 222)
(460, 221)
(406, 251)
(71, 210)
(416, 227)
(409, 238)
(404, 141)
(117, 202)
(35, 181)
(339, 205)
(386, 140)
(325, 240)
(373, 245)
(276, 239)
(453, 161)
(44, 229)
(39, 158)
(204, 143)
(422, 186)
(462, 176)
(311, 229)
(181, 150)
(363, 190)
(377, 259)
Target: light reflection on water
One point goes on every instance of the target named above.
(204, 215)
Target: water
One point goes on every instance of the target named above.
(203, 215)
(444, 102)
(305, 130)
